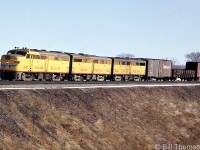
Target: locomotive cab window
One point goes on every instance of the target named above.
(23, 53)
(11, 52)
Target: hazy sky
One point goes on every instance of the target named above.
(145, 28)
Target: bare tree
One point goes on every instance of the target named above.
(125, 55)
(174, 62)
(194, 56)
(177, 66)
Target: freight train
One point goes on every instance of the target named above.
(33, 64)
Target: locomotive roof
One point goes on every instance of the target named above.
(127, 59)
(42, 51)
(80, 55)
(193, 62)
(154, 59)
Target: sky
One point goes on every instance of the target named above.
(145, 28)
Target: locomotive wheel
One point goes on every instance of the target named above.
(26, 77)
(78, 78)
(88, 78)
(101, 78)
(56, 78)
(118, 78)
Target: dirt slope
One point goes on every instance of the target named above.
(107, 119)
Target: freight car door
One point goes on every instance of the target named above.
(160, 72)
(198, 70)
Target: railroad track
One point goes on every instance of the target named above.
(3, 82)
(42, 85)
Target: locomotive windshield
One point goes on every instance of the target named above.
(16, 52)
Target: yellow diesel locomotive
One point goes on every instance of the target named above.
(32, 64)
(90, 67)
(29, 64)
(128, 69)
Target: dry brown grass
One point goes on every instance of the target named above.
(107, 119)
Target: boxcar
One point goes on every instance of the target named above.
(194, 66)
(183, 74)
(89, 67)
(128, 69)
(158, 69)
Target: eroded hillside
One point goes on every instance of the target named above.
(107, 119)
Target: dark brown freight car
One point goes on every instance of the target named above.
(158, 69)
(194, 66)
(183, 74)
